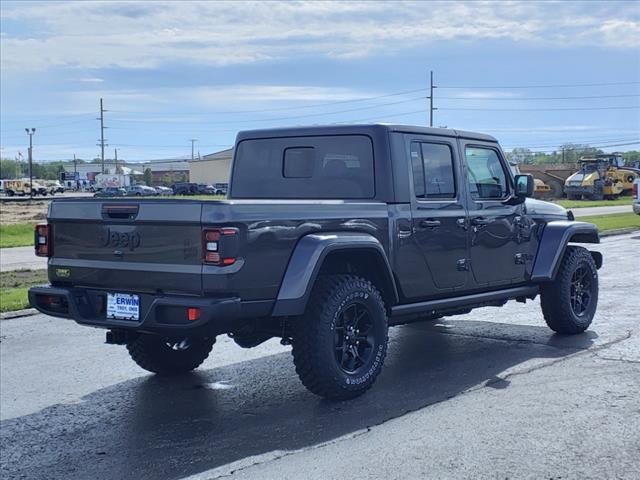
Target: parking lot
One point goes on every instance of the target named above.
(492, 394)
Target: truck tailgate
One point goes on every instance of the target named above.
(149, 245)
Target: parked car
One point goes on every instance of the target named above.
(204, 189)
(163, 190)
(221, 188)
(111, 192)
(635, 189)
(141, 190)
(340, 233)
(185, 188)
(54, 186)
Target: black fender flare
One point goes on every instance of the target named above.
(306, 261)
(556, 235)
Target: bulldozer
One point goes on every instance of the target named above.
(540, 189)
(601, 177)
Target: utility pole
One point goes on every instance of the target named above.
(75, 172)
(30, 133)
(431, 107)
(102, 127)
(193, 142)
(115, 153)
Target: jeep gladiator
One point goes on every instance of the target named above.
(329, 235)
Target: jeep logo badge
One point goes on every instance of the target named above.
(115, 239)
(63, 272)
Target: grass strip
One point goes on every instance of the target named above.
(594, 203)
(14, 286)
(18, 235)
(613, 221)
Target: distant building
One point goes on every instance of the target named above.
(213, 168)
(162, 171)
(167, 171)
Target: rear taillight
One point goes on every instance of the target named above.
(634, 190)
(219, 246)
(42, 240)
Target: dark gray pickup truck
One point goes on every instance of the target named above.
(329, 235)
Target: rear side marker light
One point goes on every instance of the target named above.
(42, 240)
(193, 314)
(213, 243)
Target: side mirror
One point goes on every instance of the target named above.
(524, 186)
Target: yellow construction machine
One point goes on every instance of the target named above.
(600, 177)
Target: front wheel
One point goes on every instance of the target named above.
(569, 302)
(340, 342)
(166, 356)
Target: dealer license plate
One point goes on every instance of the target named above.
(123, 306)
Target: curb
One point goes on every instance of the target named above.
(619, 231)
(27, 312)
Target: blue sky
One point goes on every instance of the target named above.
(172, 71)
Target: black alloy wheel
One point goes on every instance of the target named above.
(354, 338)
(581, 289)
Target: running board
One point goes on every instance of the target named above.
(465, 301)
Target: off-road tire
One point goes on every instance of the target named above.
(598, 190)
(555, 297)
(314, 337)
(154, 353)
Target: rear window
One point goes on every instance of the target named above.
(339, 166)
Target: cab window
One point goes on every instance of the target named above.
(487, 178)
(432, 166)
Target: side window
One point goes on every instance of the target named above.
(487, 178)
(432, 165)
(418, 170)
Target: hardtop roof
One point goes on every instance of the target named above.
(359, 129)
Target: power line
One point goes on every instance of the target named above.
(56, 134)
(53, 115)
(472, 99)
(590, 146)
(295, 117)
(541, 109)
(61, 124)
(576, 142)
(542, 86)
(275, 109)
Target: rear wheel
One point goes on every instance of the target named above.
(166, 356)
(340, 343)
(598, 190)
(569, 302)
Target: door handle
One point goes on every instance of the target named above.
(430, 223)
(479, 221)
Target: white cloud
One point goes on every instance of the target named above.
(150, 34)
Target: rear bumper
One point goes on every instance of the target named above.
(165, 314)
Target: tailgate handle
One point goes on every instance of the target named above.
(120, 211)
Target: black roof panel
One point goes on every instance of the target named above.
(358, 129)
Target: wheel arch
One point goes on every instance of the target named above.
(556, 235)
(343, 252)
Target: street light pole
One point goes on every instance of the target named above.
(30, 133)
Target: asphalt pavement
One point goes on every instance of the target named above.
(20, 258)
(491, 394)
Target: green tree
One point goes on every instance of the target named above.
(148, 177)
